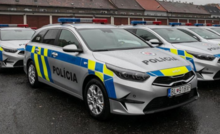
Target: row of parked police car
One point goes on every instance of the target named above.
(137, 69)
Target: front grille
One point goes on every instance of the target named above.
(19, 63)
(165, 102)
(217, 75)
(165, 80)
(21, 53)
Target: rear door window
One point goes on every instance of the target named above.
(51, 36)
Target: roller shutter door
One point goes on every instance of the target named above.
(37, 21)
(120, 21)
(11, 19)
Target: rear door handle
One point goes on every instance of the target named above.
(54, 54)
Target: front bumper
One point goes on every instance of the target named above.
(12, 60)
(207, 70)
(145, 98)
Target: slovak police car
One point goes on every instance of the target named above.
(215, 28)
(13, 38)
(112, 70)
(205, 58)
(201, 32)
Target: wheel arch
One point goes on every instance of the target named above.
(87, 79)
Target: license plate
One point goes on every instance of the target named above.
(179, 90)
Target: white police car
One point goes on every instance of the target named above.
(109, 68)
(201, 32)
(205, 55)
(13, 38)
(215, 28)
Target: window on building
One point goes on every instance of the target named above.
(27, 9)
(12, 9)
(42, 10)
(67, 38)
(51, 36)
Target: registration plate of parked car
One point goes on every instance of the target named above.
(179, 90)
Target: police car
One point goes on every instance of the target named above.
(205, 58)
(201, 32)
(13, 38)
(215, 28)
(109, 68)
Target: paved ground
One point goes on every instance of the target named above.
(46, 110)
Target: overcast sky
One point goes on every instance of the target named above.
(201, 1)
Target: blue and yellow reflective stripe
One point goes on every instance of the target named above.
(45, 68)
(94, 68)
(1, 54)
(171, 71)
(36, 61)
(41, 62)
(182, 54)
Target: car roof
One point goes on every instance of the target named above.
(146, 26)
(15, 28)
(81, 26)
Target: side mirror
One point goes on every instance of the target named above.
(72, 48)
(155, 42)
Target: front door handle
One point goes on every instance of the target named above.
(54, 54)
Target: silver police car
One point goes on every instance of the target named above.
(12, 43)
(202, 33)
(112, 70)
(206, 57)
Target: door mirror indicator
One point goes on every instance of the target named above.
(72, 48)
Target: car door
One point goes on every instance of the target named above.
(65, 66)
(42, 44)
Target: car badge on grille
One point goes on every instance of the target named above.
(148, 53)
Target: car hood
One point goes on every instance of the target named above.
(15, 44)
(199, 47)
(145, 60)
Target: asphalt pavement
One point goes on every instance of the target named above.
(46, 110)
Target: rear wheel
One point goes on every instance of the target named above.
(32, 75)
(96, 100)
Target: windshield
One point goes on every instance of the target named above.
(172, 35)
(216, 29)
(7, 35)
(110, 39)
(204, 33)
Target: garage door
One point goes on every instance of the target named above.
(164, 21)
(201, 21)
(216, 22)
(149, 19)
(120, 21)
(183, 21)
(11, 19)
(209, 21)
(37, 21)
(173, 20)
(192, 21)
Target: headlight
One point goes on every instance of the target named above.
(202, 56)
(10, 50)
(128, 74)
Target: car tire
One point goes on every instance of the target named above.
(32, 75)
(96, 100)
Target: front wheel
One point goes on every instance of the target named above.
(96, 100)
(32, 75)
